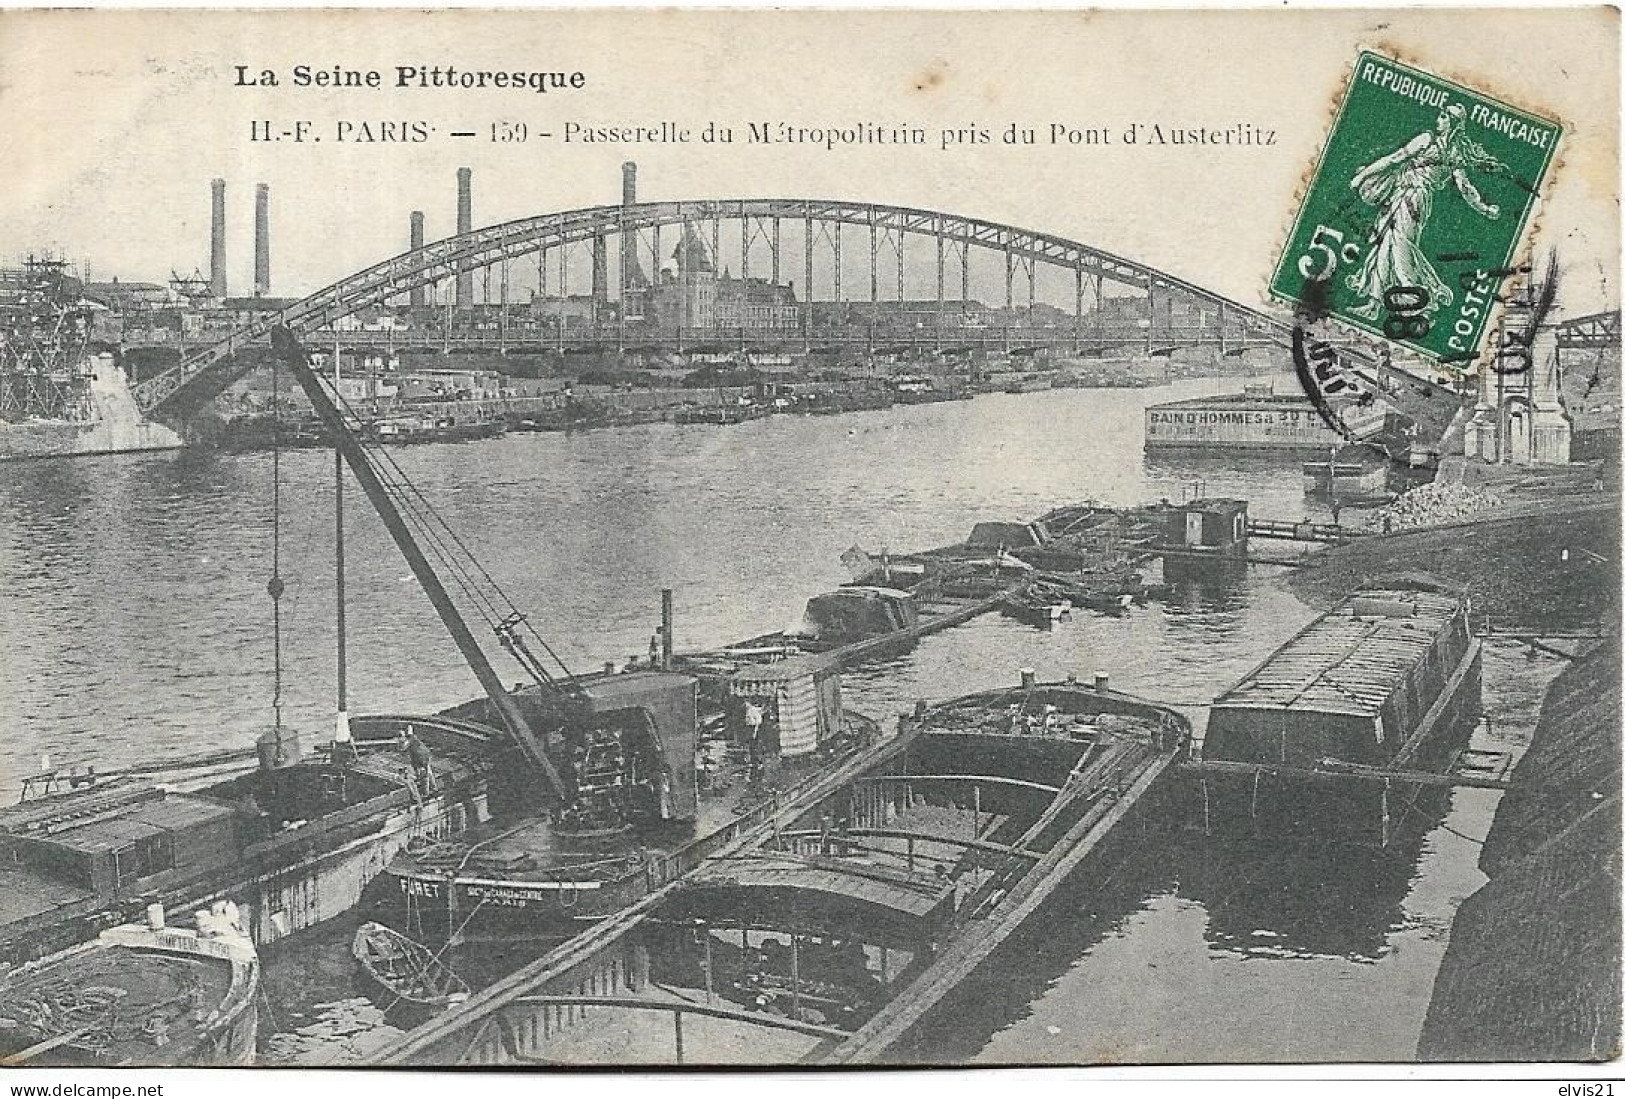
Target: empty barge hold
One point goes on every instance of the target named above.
(833, 931)
(1340, 731)
(141, 994)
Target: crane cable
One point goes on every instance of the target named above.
(469, 574)
(274, 587)
(496, 618)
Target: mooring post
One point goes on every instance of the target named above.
(677, 1030)
(705, 932)
(795, 975)
(666, 617)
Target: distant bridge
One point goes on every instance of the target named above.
(942, 339)
(822, 224)
(1592, 330)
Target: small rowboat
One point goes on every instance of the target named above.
(407, 969)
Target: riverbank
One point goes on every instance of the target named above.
(1532, 971)
(1541, 569)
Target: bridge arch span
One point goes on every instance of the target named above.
(204, 374)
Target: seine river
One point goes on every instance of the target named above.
(136, 625)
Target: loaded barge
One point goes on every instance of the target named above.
(1340, 731)
(138, 994)
(832, 930)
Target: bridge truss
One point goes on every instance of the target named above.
(823, 225)
(1592, 330)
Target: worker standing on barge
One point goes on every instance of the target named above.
(420, 756)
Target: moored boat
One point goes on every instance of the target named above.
(1348, 474)
(869, 900)
(1260, 420)
(291, 839)
(1337, 731)
(406, 969)
(652, 783)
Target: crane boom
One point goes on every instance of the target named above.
(287, 348)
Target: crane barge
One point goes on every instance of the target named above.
(560, 799)
(620, 806)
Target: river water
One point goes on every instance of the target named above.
(137, 625)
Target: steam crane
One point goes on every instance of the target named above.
(519, 728)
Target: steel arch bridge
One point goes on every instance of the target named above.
(198, 378)
(1592, 330)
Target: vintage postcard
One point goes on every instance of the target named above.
(809, 538)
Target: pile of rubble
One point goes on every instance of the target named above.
(1432, 504)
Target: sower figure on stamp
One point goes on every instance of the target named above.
(1401, 186)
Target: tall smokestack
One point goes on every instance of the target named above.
(417, 243)
(629, 241)
(600, 269)
(465, 224)
(262, 239)
(217, 241)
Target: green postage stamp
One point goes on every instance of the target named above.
(1415, 210)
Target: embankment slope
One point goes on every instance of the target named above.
(1532, 971)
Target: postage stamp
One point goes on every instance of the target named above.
(1416, 209)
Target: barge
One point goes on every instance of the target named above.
(138, 994)
(1351, 474)
(833, 929)
(1258, 420)
(1341, 731)
(292, 842)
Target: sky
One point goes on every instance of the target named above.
(113, 123)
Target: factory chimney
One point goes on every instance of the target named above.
(217, 241)
(465, 223)
(416, 296)
(629, 240)
(262, 239)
